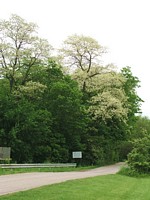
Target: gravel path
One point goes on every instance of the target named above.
(20, 182)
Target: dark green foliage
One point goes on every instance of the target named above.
(105, 142)
(47, 126)
(125, 147)
(66, 108)
(25, 129)
(100, 151)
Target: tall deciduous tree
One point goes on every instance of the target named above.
(100, 83)
(103, 95)
(81, 52)
(20, 49)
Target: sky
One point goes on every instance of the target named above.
(123, 26)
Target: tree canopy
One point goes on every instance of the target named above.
(45, 114)
(20, 49)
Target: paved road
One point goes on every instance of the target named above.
(20, 182)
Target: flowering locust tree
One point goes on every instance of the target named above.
(102, 83)
(20, 49)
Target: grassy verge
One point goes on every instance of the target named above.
(47, 169)
(115, 187)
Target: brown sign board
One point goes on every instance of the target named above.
(5, 153)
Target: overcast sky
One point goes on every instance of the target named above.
(121, 25)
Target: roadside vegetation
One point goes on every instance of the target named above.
(46, 169)
(127, 171)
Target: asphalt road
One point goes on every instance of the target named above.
(20, 182)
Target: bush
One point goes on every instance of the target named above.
(126, 171)
(139, 158)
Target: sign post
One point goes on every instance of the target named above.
(77, 155)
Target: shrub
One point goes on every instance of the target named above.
(139, 158)
(126, 171)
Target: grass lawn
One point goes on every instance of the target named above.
(115, 187)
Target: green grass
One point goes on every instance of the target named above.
(47, 169)
(114, 187)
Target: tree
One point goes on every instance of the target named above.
(24, 126)
(82, 55)
(20, 49)
(81, 52)
(101, 85)
(103, 96)
(141, 127)
(130, 86)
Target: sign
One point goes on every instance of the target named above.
(4, 153)
(77, 154)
